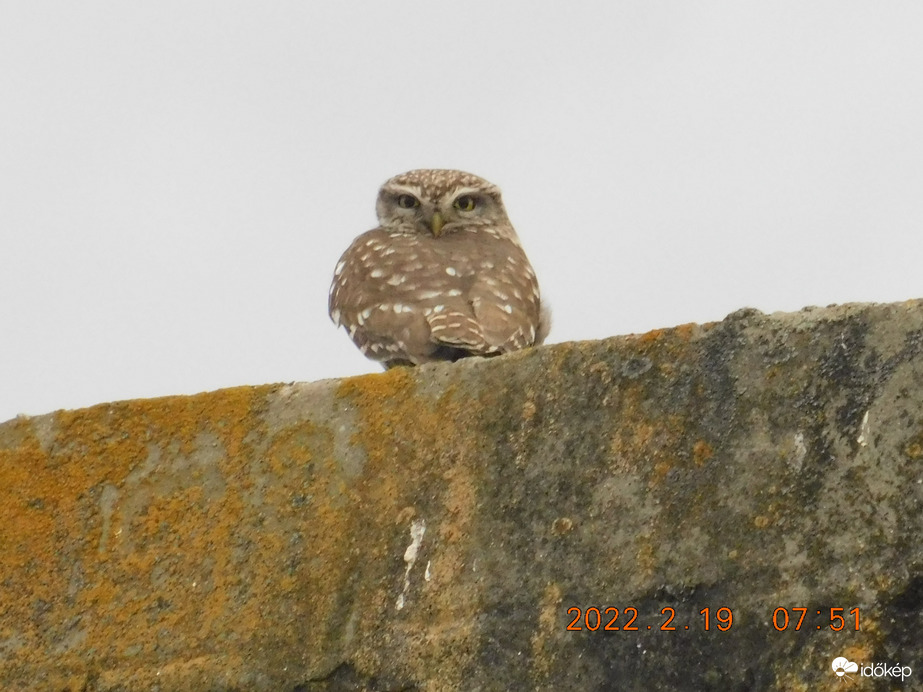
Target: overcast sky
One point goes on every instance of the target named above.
(178, 179)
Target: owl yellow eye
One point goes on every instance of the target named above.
(465, 203)
(407, 202)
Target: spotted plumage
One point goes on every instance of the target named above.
(441, 278)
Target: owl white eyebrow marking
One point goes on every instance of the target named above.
(464, 190)
(403, 189)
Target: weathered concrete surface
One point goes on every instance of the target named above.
(430, 529)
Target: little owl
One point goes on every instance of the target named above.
(442, 277)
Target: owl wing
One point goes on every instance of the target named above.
(458, 329)
(498, 310)
(505, 301)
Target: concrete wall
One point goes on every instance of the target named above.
(432, 529)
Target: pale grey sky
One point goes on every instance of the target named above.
(178, 179)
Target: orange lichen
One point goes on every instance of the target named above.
(652, 336)
(686, 331)
(913, 448)
(701, 452)
(544, 639)
(398, 428)
(139, 542)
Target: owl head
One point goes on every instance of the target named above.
(435, 202)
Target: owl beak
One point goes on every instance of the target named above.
(437, 223)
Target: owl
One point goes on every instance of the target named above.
(441, 278)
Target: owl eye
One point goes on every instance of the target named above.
(465, 203)
(407, 202)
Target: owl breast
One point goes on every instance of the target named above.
(411, 298)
